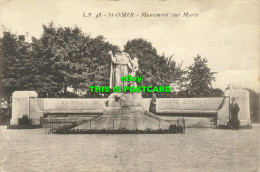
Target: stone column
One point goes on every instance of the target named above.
(242, 99)
(21, 104)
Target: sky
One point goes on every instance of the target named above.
(226, 32)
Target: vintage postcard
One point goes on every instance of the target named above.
(129, 85)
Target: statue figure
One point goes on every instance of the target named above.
(135, 68)
(121, 66)
(234, 110)
(152, 107)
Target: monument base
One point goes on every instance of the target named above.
(122, 110)
(126, 113)
(129, 121)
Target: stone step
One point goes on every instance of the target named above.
(130, 121)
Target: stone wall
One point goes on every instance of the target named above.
(26, 102)
(188, 104)
(40, 106)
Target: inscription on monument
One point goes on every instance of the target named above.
(188, 103)
(73, 104)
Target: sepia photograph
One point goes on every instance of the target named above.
(129, 85)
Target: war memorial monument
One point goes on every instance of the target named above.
(125, 109)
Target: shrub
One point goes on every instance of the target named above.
(25, 120)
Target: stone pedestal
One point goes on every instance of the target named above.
(124, 112)
(242, 99)
(21, 104)
(112, 111)
(126, 104)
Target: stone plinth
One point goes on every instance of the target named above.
(242, 99)
(21, 104)
(112, 111)
(124, 112)
(131, 109)
(126, 104)
(132, 121)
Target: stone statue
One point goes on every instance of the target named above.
(135, 68)
(120, 67)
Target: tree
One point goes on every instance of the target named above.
(10, 64)
(99, 63)
(61, 53)
(14, 61)
(70, 59)
(216, 92)
(62, 58)
(200, 78)
(154, 69)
